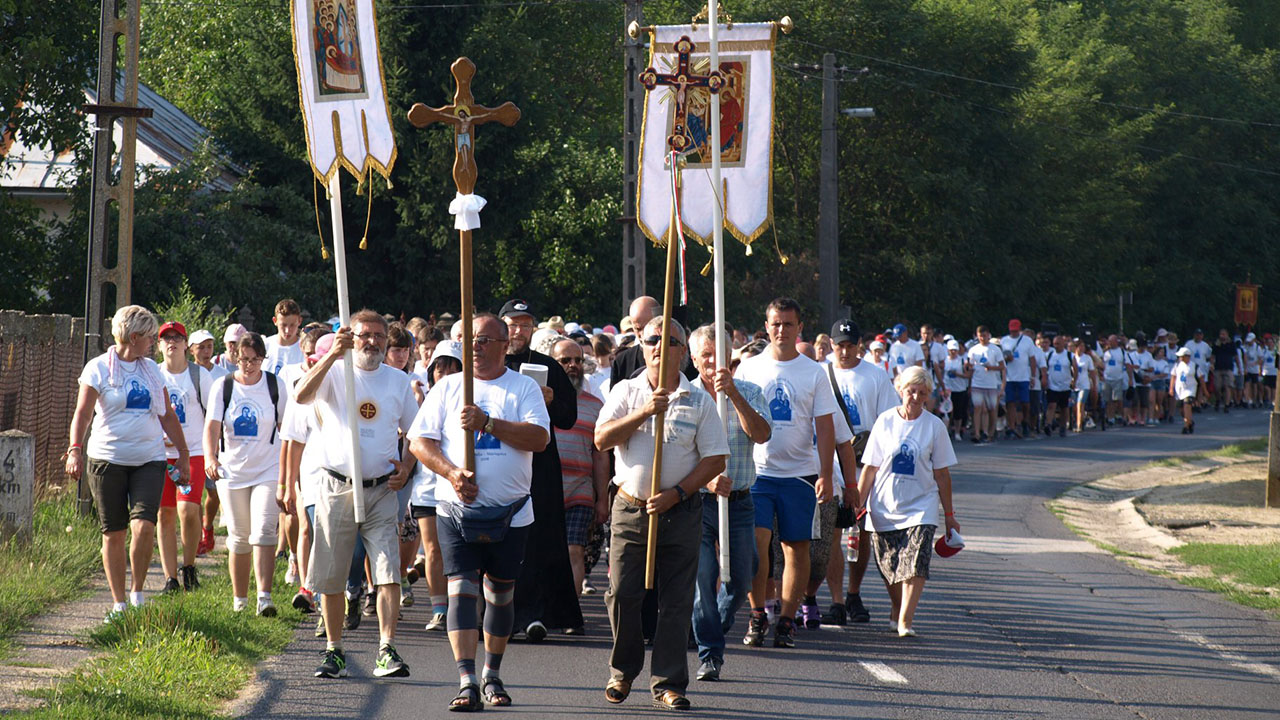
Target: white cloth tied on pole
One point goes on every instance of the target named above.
(466, 211)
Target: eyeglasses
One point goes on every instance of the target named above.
(249, 361)
(520, 326)
(483, 340)
(371, 337)
(655, 340)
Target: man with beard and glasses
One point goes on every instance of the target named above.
(585, 469)
(385, 406)
(545, 593)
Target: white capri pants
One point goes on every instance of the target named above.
(251, 514)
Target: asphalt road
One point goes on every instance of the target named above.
(1028, 621)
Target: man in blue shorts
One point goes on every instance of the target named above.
(791, 478)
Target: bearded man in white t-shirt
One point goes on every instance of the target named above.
(385, 406)
(790, 478)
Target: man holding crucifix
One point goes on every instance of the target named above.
(694, 453)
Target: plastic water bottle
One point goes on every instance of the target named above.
(176, 477)
(850, 541)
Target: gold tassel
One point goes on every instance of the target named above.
(781, 256)
(706, 270)
(748, 251)
(315, 204)
(364, 241)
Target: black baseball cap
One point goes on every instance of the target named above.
(845, 330)
(516, 307)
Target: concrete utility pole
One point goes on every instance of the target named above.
(119, 18)
(633, 241)
(828, 210)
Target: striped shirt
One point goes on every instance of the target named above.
(576, 446)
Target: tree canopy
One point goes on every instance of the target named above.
(1027, 158)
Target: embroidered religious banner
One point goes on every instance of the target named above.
(343, 97)
(746, 132)
(1246, 304)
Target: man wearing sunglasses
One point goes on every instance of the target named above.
(694, 452)
(546, 596)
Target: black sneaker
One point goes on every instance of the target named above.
(709, 670)
(389, 663)
(334, 665)
(189, 580)
(857, 611)
(535, 632)
(757, 628)
(784, 634)
(352, 620)
(171, 586)
(370, 603)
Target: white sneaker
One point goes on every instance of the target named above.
(438, 622)
(239, 604)
(291, 577)
(266, 608)
(906, 632)
(893, 626)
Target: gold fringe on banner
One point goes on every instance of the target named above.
(368, 213)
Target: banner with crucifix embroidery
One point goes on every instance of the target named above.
(340, 87)
(746, 131)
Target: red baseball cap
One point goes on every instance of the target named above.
(1015, 324)
(173, 326)
(949, 544)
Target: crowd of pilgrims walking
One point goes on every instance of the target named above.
(835, 450)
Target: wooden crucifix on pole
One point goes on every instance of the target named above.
(681, 82)
(464, 115)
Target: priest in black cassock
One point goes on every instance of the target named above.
(545, 593)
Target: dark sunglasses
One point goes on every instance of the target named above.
(655, 340)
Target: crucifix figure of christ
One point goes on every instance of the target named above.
(681, 81)
(678, 142)
(464, 114)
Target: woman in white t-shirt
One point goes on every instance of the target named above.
(956, 371)
(1183, 385)
(1086, 383)
(904, 478)
(446, 360)
(243, 454)
(121, 390)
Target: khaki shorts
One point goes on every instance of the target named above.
(336, 530)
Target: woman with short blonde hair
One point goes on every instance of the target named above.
(123, 393)
(904, 477)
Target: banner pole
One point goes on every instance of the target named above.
(348, 364)
(717, 246)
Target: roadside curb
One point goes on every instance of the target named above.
(1105, 512)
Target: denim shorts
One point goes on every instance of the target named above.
(1017, 391)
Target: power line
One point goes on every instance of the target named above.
(1007, 86)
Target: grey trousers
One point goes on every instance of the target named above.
(679, 537)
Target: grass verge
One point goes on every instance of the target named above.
(180, 656)
(1233, 450)
(1253, 599)
(55, 567)
(1257, 565)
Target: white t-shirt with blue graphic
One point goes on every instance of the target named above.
(903, 355)
(280, 356)
(186, 405)
(1058, 368)
(797, 391)
(503, 473)
(867, 392)
(126, 427)
(1018, 368)
(906, 453)
(247, 432)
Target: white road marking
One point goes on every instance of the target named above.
(883, 673)
(1230, 655)
(1026, 546)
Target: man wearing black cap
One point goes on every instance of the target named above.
(867, 391)
(545, 592)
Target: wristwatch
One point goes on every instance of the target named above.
(488, 424)
(683, 495)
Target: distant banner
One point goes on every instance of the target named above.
(746, 135)
(343, 97)
(1246, 304)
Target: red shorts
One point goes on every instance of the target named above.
(170, 496)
